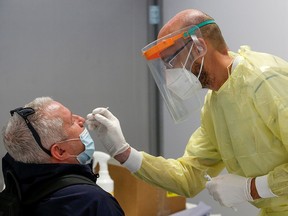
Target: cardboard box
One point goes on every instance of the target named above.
(138, 198)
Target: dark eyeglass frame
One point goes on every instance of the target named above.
(171, 57)
(24, 112)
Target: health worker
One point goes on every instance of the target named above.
(244, 120)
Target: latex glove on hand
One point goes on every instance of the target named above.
(108, 130)
(91, 122)
(230, 189)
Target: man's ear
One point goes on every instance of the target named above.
(201, 47)
(58, 152)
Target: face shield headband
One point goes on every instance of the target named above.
(170, 60)
(154, 49)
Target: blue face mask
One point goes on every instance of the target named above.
(86, 156)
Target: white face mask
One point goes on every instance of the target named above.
(182, 82)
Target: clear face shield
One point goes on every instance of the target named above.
(171, 61)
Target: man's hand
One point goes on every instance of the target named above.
(230, 189)
(108, 130)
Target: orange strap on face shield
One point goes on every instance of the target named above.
(154, 51)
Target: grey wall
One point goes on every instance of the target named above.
(260, 24)
(82, 53)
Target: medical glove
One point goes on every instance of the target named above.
(108, 130)
(91, 122)
(230, 189)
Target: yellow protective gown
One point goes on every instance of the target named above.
(244, 127)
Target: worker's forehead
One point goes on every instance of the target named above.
(170, 28)
(181, 20)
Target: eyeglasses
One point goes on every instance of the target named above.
(24, 113)
(170, 58)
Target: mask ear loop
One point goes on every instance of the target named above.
(188, 73)
(198, 44)
(200, 70)
(200, 49)
(186, 60)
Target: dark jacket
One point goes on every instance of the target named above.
(72, 200)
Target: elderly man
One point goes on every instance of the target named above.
(45, 140)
